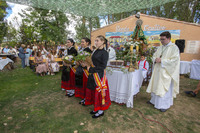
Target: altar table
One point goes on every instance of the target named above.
(185, 67)
(195, 69)
(123, 86)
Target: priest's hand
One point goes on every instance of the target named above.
(158, 60)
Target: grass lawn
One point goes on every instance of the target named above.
(34, 104)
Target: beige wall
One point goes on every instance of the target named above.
(188, 31)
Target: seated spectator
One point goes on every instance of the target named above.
(41, 67)
(6, 50)
(60, 54)
(54, 53)
(35, 48)
(52, 66)
(16, 50)
(12, 51)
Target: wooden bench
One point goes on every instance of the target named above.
(59, 60)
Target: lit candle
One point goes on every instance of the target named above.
(131, 48)
(137, 48)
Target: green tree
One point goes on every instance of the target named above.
(3, 24)
(85, 26)
(12, 35)
(43, 24)
(183, 10)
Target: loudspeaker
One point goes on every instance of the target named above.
(180, 44)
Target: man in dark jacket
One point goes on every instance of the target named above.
(22, 55)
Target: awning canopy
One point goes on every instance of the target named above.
(92, 8)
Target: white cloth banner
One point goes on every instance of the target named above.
(195, 69)
(4, 62)
(185, 67)
(123, 86)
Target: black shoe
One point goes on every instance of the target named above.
(81, 101)
(70, 95)
(97, 115)
(148, 102)
(67, 94)
(191, 93)
(163, 110)
(188, 92)
(93, 112)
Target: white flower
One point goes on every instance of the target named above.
(136, 43)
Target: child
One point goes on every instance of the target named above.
(144, 66)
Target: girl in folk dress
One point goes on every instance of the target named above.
(68, 72)
(97, 80)
(81, 91)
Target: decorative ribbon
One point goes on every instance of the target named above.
(102, 87)
(73, 69)
(86, 72)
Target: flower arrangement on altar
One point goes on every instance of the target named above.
(149, 54)
(129, 52)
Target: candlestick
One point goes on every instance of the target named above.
(131, 48)
(137, 48)
(131, 67)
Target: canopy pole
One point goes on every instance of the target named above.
(90, 24)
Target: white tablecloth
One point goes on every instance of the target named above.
(123, 86)
(195, 69)
(4, 62)
(185, 67)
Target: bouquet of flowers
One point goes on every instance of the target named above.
(68, 59)
(84, 56)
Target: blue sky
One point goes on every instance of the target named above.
(9, 10)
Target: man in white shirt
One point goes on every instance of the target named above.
(144, 66)
(6, 50)
(164, 83)
(111, 52)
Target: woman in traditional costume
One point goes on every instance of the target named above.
(81, 76)
(97, 80)
(68, 72)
